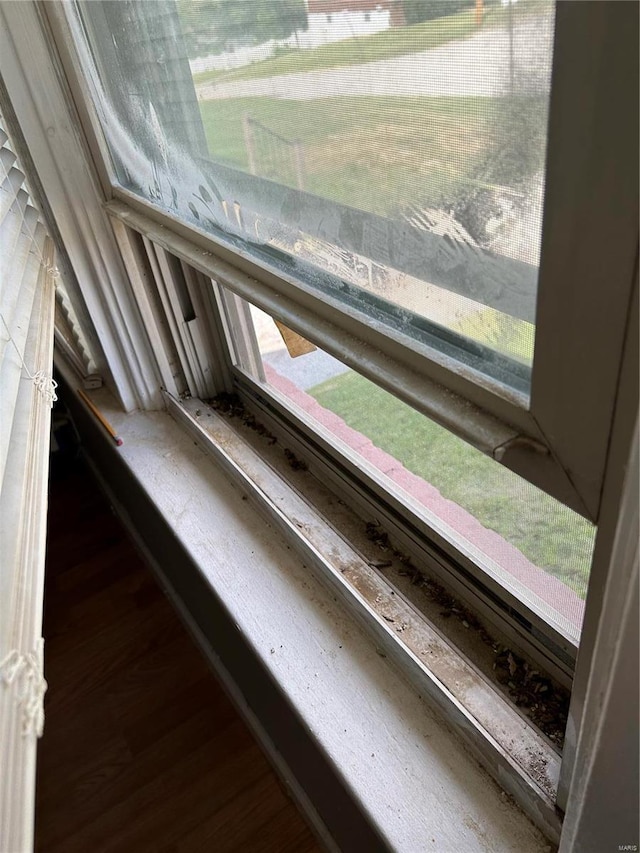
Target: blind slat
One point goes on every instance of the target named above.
(17, 298)
(14, 253)
(10, 231)
(7, 159)
(9, 189)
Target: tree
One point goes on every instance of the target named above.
(218, 25)
(417, 11)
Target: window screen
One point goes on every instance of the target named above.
(388, 152)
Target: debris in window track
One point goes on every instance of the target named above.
(545, 703)
(231, 405)
(227, 404)
(294, 462)
(537, 765)
(377, 536)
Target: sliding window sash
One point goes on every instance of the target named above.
(418, 377)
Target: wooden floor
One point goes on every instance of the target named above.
(142, 751)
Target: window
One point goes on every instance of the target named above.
(432, 281)
(398, 226)
(231, 197)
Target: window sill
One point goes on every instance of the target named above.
(399, 772)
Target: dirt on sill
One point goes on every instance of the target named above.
(537, 696)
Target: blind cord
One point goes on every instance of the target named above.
(44, 382)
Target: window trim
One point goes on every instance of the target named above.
(604, 704)
(612, 565)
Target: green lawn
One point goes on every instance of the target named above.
(547, 533)
(374, 153)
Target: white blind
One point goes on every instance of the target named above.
(27, 301)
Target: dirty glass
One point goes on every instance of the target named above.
(391, 153)
(529, 542)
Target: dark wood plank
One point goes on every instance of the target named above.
(142, 750)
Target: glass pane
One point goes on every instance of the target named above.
(532, 544)
(391, 152)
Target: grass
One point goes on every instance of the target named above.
(551, 536)
(374, 153)
(388, 44)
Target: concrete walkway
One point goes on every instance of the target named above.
(476, 66)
